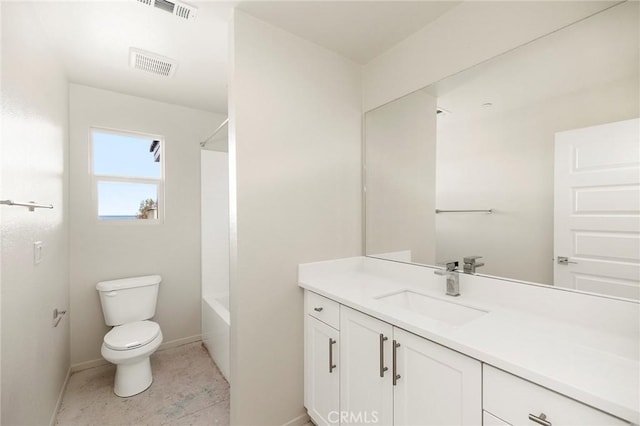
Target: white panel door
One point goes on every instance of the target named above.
(489, 419)
(321, 372)
(436, 386)
(597, 209)
(366, 391)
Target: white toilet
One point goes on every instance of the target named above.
(128, 304)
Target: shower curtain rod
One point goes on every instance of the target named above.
(204, 142)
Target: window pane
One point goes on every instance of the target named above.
(127, 156)
(123, 200)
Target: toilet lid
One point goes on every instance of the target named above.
(131, 335)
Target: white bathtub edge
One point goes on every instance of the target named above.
(215, 333)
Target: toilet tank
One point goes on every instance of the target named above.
(129, 299)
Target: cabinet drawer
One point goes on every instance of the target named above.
(326, 310)
(513, 399)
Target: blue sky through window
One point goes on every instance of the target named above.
(122, 199)
(125, 156)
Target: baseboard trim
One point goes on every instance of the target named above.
(179, 342)
(166, 345)
(60, 396)
(88, 364)
(298, 421)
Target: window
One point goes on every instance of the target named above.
(127, 171)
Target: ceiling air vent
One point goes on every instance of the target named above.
(179, 9)
(151, 62)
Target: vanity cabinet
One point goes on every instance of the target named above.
(361, 370)
(396, 377)
(516, 401)
(321, 352)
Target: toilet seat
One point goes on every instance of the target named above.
(131, 335)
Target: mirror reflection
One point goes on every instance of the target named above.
(530, 160)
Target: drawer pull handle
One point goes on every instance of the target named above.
(318, 309)
(396, 376)
(331, 364)
(383, 339)
(541, 419)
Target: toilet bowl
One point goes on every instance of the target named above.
(127, 305)
(129, 346)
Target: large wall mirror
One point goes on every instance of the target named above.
(530, 160)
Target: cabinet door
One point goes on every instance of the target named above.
(366, 392)
(437, 386)
(321, 372)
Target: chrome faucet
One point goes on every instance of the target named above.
(450, 271)
(470, 264)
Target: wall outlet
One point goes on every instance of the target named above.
(37, 252)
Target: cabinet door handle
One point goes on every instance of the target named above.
(331, 364)
(318, 309)
(396, 376)
(541, 419)
(382, 367)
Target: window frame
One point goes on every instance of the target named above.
(97, 178)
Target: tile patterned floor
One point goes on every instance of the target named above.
(187, 389)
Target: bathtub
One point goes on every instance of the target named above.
(215, 330)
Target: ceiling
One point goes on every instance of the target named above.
(93, 39)
(359, 30)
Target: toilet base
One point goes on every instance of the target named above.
(131, 379)
(133, 367)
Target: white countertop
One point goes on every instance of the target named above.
(524, 332)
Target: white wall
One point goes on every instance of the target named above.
(295, 134)
(1, 192)
(35, 356)
(401, 172)
(214, 169)
(101, 251)
(468, 34)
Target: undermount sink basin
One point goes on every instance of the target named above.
(440, 310)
